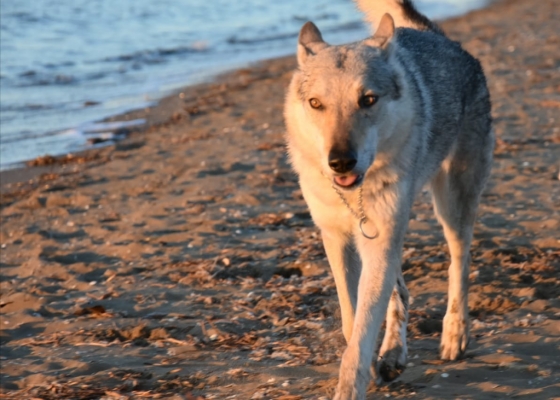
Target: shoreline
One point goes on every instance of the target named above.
(48, 164)
(169, 109)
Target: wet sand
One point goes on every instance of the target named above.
(182, 262)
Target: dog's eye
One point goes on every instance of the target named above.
(315, 103)
(368, 100)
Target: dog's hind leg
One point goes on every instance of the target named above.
(393, 352)
(456, 190)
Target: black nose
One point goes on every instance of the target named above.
(342, 162)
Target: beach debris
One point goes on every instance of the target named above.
(65, 159)
(97, 310)
(90, 103)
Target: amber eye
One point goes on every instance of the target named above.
(315, 103)
(368, 100)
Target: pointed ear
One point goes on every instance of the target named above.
(310, 42)
(384, 33)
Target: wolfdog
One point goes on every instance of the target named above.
(368, 125)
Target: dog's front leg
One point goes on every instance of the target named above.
(345, 264)
(380, 262)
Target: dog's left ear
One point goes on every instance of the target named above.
(383, 34)
(310, 42)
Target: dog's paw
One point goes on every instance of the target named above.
(353, 380)
(390, 368)
(346, 394)
(393, 354)
(455, 337)
(350, 390)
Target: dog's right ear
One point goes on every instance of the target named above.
(310, 42)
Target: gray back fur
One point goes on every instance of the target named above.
(456, 82)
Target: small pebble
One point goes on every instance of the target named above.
(445, 375)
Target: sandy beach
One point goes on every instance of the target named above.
(182, 263)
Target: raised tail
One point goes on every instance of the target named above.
(403, 12)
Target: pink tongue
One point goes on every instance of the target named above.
(346, 180)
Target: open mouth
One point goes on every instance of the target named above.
(348, 181)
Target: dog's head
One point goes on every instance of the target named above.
(340, 101)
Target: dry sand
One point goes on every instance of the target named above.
(182, 262)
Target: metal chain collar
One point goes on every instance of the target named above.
(362, 215)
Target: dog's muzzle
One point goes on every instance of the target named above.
(343, 163)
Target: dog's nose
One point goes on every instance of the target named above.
(342, 162)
